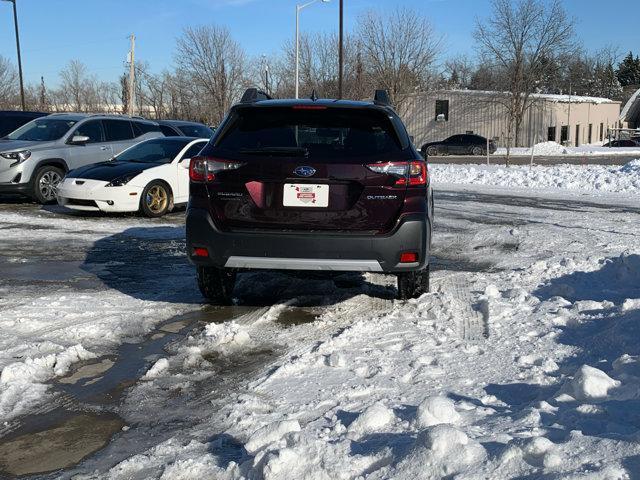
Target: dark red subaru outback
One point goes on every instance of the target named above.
(309, 184)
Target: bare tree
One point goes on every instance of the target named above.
(398, 51)
(75, 87)
(519, 36)
(216, 64)
(8, 83)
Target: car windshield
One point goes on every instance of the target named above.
(42, 130)
(159, 150)
(199, 131)
(320, 132)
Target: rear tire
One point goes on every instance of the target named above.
(216, 284)
(432, 151)
(45, 184)
(413, 284)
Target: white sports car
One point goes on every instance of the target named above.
(150, 177)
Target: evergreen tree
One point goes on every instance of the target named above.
(42, 100)
(628, 72)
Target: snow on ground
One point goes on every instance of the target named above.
(582, 178)
(554, 148)
(55, 313)
(523, 362)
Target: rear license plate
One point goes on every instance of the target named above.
(305, 195)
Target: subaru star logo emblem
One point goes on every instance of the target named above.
(304, 171)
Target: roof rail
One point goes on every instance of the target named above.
(381, 97)
(254, 95)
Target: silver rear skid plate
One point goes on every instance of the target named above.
(336, 265)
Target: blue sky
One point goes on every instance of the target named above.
(95, 31)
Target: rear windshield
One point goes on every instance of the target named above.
(325, 133)
(199, 131)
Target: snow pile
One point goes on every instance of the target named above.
(269, 434)
(158, 369)
(546, 148)
(586, 178)
(22, 383)
(440, 451)
(436, 410)
(373, 419)
(554, 149)
(615, 279)
(590, 384)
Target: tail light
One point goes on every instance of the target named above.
(409, 173)
(204, 169)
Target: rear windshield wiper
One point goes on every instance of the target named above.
(283, 151)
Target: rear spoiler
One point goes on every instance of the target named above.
(381, 97)
(254, 95)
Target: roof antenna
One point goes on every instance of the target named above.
(314, 97)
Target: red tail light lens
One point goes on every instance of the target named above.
(200, 252)
(408, 257)
(410, 173)
(204, 169)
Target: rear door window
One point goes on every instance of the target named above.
(142, 128)
(91, 129)
(168, 131)
(318, 132)
(117, 130)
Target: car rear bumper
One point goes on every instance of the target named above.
(308, 251)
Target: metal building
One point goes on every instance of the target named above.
(566, 119)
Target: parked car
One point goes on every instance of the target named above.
(12, 120)
(150, 177)
(622, 143)
(173, 128)
(35, 157)
(465, 144)
(312, 184)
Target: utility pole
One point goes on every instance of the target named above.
(15, 22)
(132, 74)
(341, 50)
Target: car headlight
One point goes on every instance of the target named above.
(123, 180)
(20, 156)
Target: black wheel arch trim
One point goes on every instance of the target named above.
(56, 162)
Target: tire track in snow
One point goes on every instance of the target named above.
(472, 323)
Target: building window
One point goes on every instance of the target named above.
(601, 131)
(589, 133)
(577, 135)
(564, 134)
(551, 134)
(442, 108)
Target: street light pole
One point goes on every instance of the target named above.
(299, 8)
(341, 50)
(15, 21)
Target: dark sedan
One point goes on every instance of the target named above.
(466, 144)
(181, 128)
(622, 143)
(12, 120)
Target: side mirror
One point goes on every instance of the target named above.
(79, 140)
